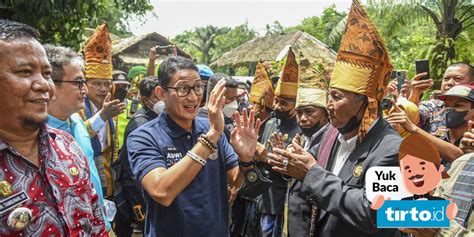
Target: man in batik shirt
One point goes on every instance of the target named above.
(45, 187)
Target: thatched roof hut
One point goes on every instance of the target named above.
(270, 47)
(134, 50)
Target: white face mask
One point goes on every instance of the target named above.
(158, 107)
(229, 109)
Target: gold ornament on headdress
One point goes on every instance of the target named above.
(287, 85)
(98, 54)
(312, 86)
(136, 83)
(261, 91)
(363, 64)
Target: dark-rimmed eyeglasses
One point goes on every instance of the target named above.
(183, 91)
(80, 83)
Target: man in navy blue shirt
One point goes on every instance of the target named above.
(183, 162)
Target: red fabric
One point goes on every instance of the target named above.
(326, 146)
(62, 204)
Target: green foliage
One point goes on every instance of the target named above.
(408, 43)
(182, 41)
(274, 29)
(63, 21)
(232, 39)
(311, 25)
(210, 42)
(321, 27)
(465, 46)
(204, 40)
(411, 29)
(438, 30)
(241, 71)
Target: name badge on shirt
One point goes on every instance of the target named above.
(13, 201)
(173, 155)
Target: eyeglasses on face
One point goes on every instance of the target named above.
(97, 84)
(80, 83)
(184, 90)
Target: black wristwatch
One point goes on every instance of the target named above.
(246, 164)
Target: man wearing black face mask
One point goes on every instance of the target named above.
(358, 138)
(244, 214)
(311, 112)
(433, 112)
(284, 122)
(459, 102)
(312, 118)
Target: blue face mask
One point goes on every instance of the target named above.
(455, 119)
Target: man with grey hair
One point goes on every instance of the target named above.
(68, 78)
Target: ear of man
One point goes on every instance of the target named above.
(160, 93)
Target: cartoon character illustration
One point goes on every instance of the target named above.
(421, 170)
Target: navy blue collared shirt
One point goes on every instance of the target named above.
(201, 209)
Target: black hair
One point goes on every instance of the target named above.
(147, 85)
(470, 69)
(274, 81)
(214, 79)
(10, 30)
(171, 65)
(13, 30)
(58, 57)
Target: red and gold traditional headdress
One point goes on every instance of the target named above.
(363, 65)
(261, 92)
(98, 54)
(287, 85)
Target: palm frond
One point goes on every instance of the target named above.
(433, 17)
(395, 13)
(337, 31)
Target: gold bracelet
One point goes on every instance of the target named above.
(205, 141)
(209, 141)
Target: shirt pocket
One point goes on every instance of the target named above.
(70, 178)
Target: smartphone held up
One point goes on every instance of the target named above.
(166, 50)
(422, 66)
(402, 77)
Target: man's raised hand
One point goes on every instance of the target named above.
(244, 136)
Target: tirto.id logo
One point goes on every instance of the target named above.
(424, 214)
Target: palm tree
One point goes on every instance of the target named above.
(204, 41)
(450, 17)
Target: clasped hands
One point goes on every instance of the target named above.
(293, 161)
